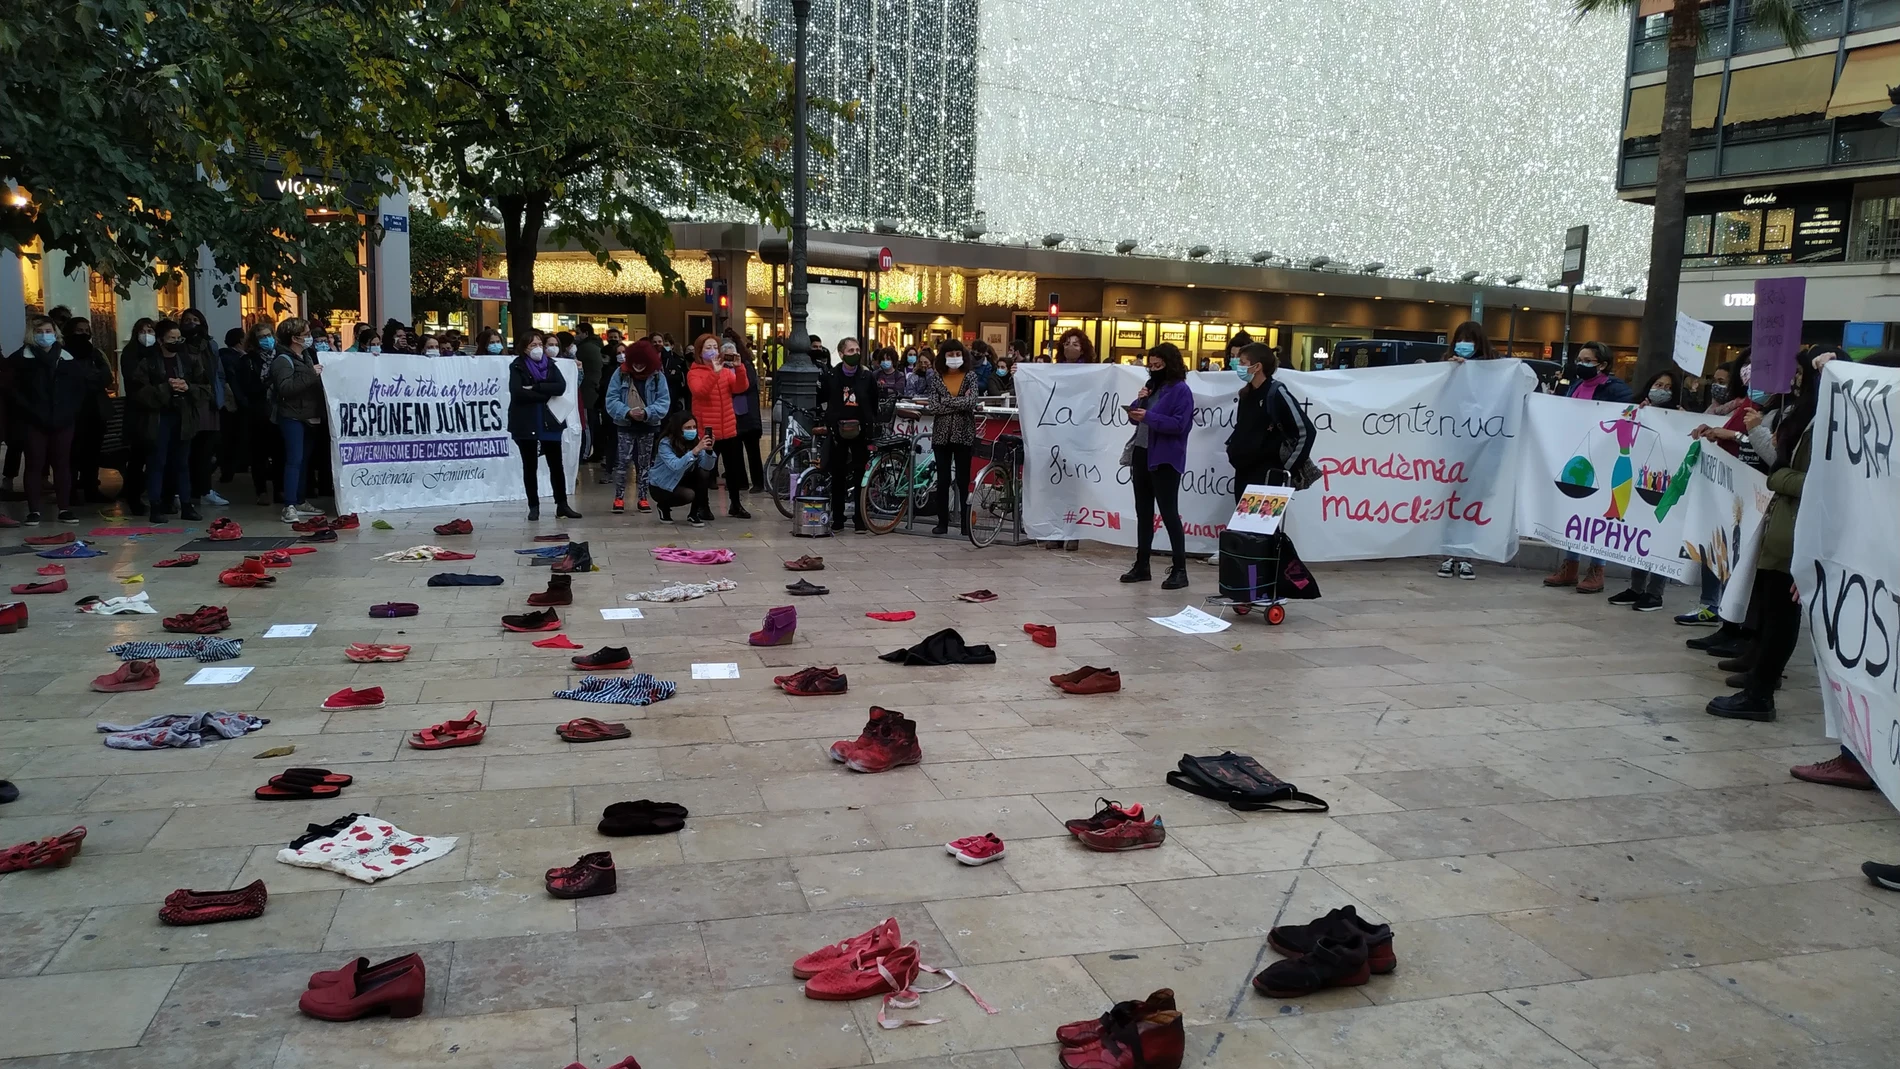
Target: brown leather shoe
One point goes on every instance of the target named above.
(1565, 575)
(1592, 581)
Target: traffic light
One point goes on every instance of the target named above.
(1055, 306)
(717, 294)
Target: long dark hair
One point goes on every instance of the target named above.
(1173, 368)
(1675, 388)
(1798, 410)
(1472, 331)
(673, 430)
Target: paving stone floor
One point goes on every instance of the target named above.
(1582, 867)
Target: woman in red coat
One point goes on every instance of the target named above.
(713, 381)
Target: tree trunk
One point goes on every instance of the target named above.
(1672, 181)
(521, 219)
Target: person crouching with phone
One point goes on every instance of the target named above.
(682, 472)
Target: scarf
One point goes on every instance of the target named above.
(537, 369)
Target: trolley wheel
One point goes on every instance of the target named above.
(1241, 608)
(1276, 614)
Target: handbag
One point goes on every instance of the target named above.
(1242, 782)
(1306, 473)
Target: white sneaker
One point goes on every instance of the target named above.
(305, 511)
(1212, 559)
(1466, 571)
(216, 498)
(291, 515)
(1447, 569)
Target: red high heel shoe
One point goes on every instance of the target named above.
(52, 852)
(396, 988)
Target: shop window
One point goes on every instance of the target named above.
(1696, 237)
(1876, 230)
(1777, 233)
(1873, 14)
(1737, 233)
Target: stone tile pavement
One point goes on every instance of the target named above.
(1582, 867)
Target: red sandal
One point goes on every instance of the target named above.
(280, 789)
(52, 852)
(464, 732)
(183, 560)
(587, 729)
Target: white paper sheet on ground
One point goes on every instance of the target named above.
(621, 614)
(1192, 621)
(208, 676)
(716, 671)
(291, 631)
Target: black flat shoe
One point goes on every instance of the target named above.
(806, 589)
(1743, 706)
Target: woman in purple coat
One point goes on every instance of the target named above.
(1165, 408)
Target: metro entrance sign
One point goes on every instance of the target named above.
(485, 289)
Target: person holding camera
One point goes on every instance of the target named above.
(683, 470)
(715, 378)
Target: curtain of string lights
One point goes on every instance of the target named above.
(1465, 135)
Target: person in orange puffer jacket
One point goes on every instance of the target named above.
(713, 380)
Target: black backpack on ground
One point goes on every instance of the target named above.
(1242, 782)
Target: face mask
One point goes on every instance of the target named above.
(1465, 349)
(884, 365)
(954, 363)
(690, 434)
(1760, 397)
(267, 343)
(850, 359)
(1718, 392)
(494, 348)
(148, 339)
(982, 361)
(535, 352)
(431, 352)
(193, 328)
(323, 347)
(376, 350)
(711, 355)
(910, 360)
(45, 340)
(1587, 371)
(1243, 372)
(1659, 395)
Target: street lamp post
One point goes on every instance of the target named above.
(795, 383)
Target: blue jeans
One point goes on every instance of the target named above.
(171, 455)
(293, 460)
(1582, 561)
(1711, 589)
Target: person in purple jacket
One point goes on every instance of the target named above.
(1165, 408)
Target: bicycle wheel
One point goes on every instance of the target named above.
(923, 487)
(993, 504)
(885, 497)
(778, 475)
(813, 481)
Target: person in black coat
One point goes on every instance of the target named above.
(52, 386)
(533, 380)
(89, 430)
(745, 412)
(848, 399)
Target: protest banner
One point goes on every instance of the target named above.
(1847, 563)
(1722, 514)
(1604, 479)
(1415, 460)
(417, 431)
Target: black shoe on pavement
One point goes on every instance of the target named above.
(189, 511)
(666, 515)
(31, 519)
(1138, 574)
(1177, 578)
(1743, 706)
(1739, 680)
(1627, 597)
(68, 516)
(1648, 603)
(1726, 633)
(738, 511)
(1735, 664)
(1887, 876)
(1739, 647)
(562, 512)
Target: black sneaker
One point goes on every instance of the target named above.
(188, 511)
(666, 515)
(68, 516)
(1887, 876)
(1726, 633)
(1648, 603)
(1743, 706)
(695, 521)
(31, 519)
(1627, 597)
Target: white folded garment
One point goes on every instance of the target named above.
(113, 606)
(370, 849)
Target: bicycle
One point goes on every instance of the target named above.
(795, 451)
(996, 495)
(896, 483)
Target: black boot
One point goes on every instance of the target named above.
(1177, 578)
(736, 509)
(1744, 706)
(188, 511)
(1139, 573)
(561, 511)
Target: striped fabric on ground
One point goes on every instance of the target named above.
(205, 649)
(642, 689)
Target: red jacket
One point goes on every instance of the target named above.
(712, 388)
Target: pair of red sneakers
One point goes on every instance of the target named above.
(1087, 680)
(204, 620)
(1147, 1033)
(1115, 827)
(889, 739)
(870, 964)
(813, 682)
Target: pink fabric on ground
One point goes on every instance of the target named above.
(892, 617)
(692, 556)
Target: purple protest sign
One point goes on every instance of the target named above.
(485, 289)
(1778, 309)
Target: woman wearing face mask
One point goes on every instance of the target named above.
(1074, 347)
(51, 386)
(168, 390)
(1468, 342)
(534, 380)
(1590, 380)
(954, 395)
(199, 347)
(1664, 391)
(637, 403)
(1168, 415)
(1003, 378)
(89, 429)
(889, 376)
(250, 380)
(296, 376)
(1743, 411)
(489, 343)
(917, 377)
(683, 470)
(715, 379)
(142, 342)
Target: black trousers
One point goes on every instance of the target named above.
(732, 459)
(755, 464)
(204, 457)
(265, 454)
(531, 475)
(953, 469)
(88, 436)
(1157, 489)
(1780, 630)
(845, 466)
(690, 492)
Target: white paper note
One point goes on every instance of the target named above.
(209, 676)
(1192, 621)
(716, 671)
(1692, 344)
(291, 631)
(621, 614)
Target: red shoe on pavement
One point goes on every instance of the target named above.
(455, 527)
(224, 529)
(605, 659)
(51, 586)
(1842, 771)
(1156, 1041)
(132, 675)
(558, 642)
(814, 683)
(12, 616)
(1125, 835)
(880, 940)
(314, 523)
(351, 698)
(1106, 681)
(896, 744)
(866, 976)
(879, 720)
(545, 620)
(1107, 813)
(60, 569)
(396, 987)
(1083, 1033)
(977, 849)
(1041, 634)
(347, 522)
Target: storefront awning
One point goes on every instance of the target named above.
(1864, 81)
(1646, 107)
(1778, 90)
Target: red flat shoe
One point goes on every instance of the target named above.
(275, 558)
(288, 790)
(183, 560)
(59, 539)
(396, 990)
(450, 554)
(132, 675)
(240, 578)
(349, 973)
(588, 729)
(212, 908)
(464, 732)
(314, 776)
(52, 569)
(54, 586)
(559, 642)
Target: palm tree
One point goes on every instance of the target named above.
(1672, 166)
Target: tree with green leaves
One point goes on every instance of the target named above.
(132, 132)
(1657, 348)
(443, 251)
(600, 119)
